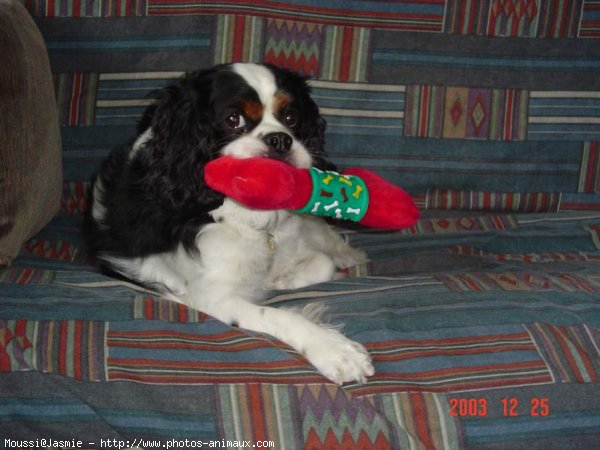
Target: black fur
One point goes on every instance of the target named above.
(158, 198)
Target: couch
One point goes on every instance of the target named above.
(483, 319)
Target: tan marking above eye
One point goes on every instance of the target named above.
(253, 110)
(280, 101)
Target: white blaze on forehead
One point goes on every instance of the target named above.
(260, 79)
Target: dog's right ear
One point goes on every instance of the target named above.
(179, 116)
(182, 142)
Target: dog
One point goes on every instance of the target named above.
(154, 221)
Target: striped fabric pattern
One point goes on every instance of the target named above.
(235, 407)
(528, 257)
(425, 417)
(590, 21)
(493, 201)
(363, 108)
(410, 15)
(26, 275)
(59, 250)
(150, 307)
(345, 54)
(88, 8)
(451, 112)
(76, 96)
(238, 39)
(515, 18)
(487, 112)
(590, 168)
(522, 281)
(552, 115)
(428, 340)
(174, 354)
(408, 359)
(70, 348)
(461, 225)
(570, 352)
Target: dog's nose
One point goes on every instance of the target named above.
(279, 142)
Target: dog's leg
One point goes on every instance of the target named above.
(232, 267)
(330, 352)
(308, 252)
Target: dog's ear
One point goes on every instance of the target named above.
(180, 115)
(315, 144)
(182, 143)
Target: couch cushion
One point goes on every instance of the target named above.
(30, 162)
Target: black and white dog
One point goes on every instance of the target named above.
(154, 220)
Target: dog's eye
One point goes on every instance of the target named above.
(236, 120)
(291, 118)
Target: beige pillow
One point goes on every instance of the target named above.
(30, 163)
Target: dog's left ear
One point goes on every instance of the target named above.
(315, 144)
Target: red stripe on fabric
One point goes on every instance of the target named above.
(567, 353)
(76, 8)
(563, 19)
(179, 345)
(583, 355)
(238, 39)
(424, 111)
(213, 379)
(183, 313)
(159, 10)
(487, 201)
(491, 24)
(258, 423)
(171, 333)
(454, 352)
(291, 9)
(148, 308)
(77, 351)
(20, 327)
(25, 276)
(509, 201)
(591, 169)
(62, 348)
(579, 206)
(508, 114)
(447, 341)
(346, 53)
(145, 362)
(74, 103)
(420, 417)
(50, 7)
(461, 21)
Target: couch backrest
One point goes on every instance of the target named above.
(471, 105)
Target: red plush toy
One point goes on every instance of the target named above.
(356, 194)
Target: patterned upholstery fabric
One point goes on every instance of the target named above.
(30, 165)
(483, 319)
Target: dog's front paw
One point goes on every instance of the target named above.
(339, 358)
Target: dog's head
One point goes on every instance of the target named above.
(241, 110)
